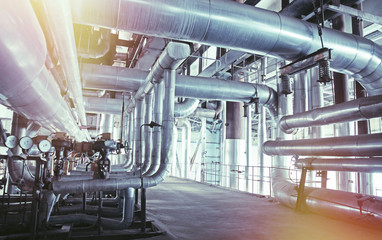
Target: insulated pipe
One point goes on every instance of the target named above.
(106, 123)
(139, 117)
(26, 86)
(167, 152)
(60, 24)
(361, 145)
(247, 29)
(103, 105)
(186, 86)
(355, 110)
(186, 108)
(158, 116)
(203, 113)
(370, 165)
(147, 132)
(185, 124)
(171, 58)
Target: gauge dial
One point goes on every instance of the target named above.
(26, 143)
(11, 141)
(44, 145)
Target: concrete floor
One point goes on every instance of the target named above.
(191, 210)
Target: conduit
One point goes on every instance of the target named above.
(361, 145)
(103, 105)
(355, 110)
(370, 165)
(247, 29)
(186, 126)
(26, 86)
(147, 131)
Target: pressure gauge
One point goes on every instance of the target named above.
(11, 141)
(44, 146)
(26, 143)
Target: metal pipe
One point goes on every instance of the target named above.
(361, 145)
(369, 165)
(355, 110)
(147, 132)
(186, 108)
(106, 123)
(252, 30)
(186, 86)
(60, 24)
(103, 105)
(171, 58)
(203, 113)
(23, 72)
(167, 152)
(158, 116)
(186, 126)
(139, 117)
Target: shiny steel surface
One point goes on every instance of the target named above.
(25, 83)
(186, 108)
(121, 79)
(147, 131)
(244, 28)
(103, 105)
(359, 109)
(60, 22)
(341, 164)
(361, 145)
(186, 130)
(157, 132)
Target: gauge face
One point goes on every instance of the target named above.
(44, 146)
(26, 143)
(11, 141)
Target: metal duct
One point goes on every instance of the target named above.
(361, 145)
(186, 108)
(244, 28)
(186, 86)
(171, 58)
(26, 86)
(139, 117)
(103, 105)
(106, 123)
(369, 165)
(355, 110)
(150, 52)
(167, 151)
(60, 23)
(158, 112)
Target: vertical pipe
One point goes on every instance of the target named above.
(137, 138)
(148, 131)
(365, 183)
(248, 141)
(341, 89)
(157, 131)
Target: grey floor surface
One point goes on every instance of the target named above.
(191, 210)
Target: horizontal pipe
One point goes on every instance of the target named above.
(361, 145)
(355, 110)
(26, 86)
(244, 28)
(186, 86)
(370, 165)
(103, 105)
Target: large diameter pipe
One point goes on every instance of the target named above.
(26, 86)
(186, 108)
(361, 145)
(103, 105)
(147, 132)
(369, 165)
(355, 110)
(60, 22)
(245, 28)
